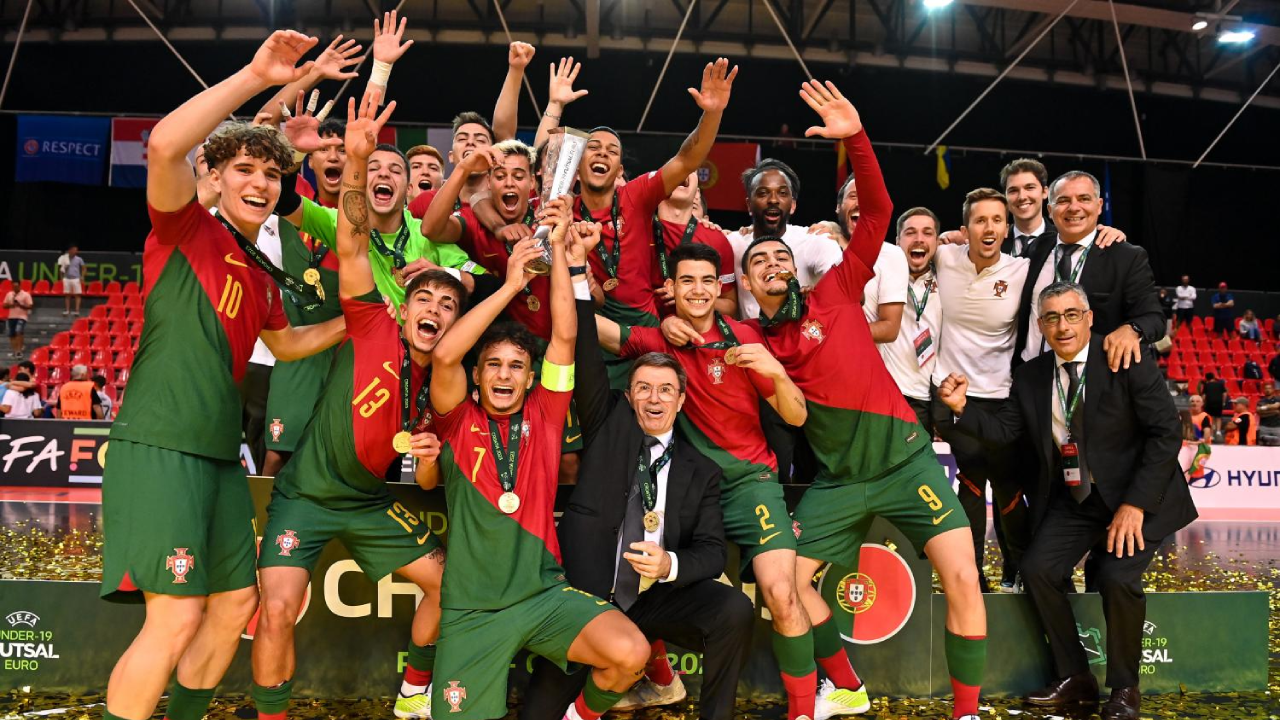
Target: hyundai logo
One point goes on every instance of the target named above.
(1208, 480)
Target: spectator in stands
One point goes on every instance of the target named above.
(1269, 417)
(1184, 302)
(4, 380)
(77, 398)
(1166, 306)
(100, 385)
(17, 403)
(19, 303)
(1251, 370)
(1273, 367)
(1224, 312)
(1242, 428)
(1214, 391)
(1201, 421)
(1249, 329)
(71, 272)
(25, 367)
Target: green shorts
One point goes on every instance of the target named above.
(756, 519)
(381, 539)
(476, 647)
(834, 516)
(174, 524)
(291, 401)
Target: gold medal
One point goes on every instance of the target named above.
(508, 502)
(402, 442)
(651, 521)
(533, 303)
(731, 356)
(784, 275)
(399, 276)
(611, 284)
(311, 276)
(319, 291)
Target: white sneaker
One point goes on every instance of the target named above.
(648, 693)
(414, 707)
(833, 701)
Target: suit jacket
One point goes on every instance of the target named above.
(1132, 436)
(588, 530)
(1120, 286)
(1050, 235)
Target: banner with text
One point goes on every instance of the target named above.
(37, 265)
(53, 148)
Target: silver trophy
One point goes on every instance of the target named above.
(563, 152)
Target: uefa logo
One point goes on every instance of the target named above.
(31, 146)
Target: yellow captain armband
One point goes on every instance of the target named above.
(557, 378)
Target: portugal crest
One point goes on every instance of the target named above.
(812, 329)
(454, 695)
(1001, 287)
(857, 593)
(277, 429)
(716, 369)
(180, 564)
(288, 542)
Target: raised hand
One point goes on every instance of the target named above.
(583, 238)
(276, 61)
(680, 332)
(363, 128)
(514, 233)
(754, 357)
(557, 214)
(481, 161)
(952, 392)
(335, 59)
(560, 88)
(302, 127)
(840, 119)
(520, 54)
(525, 252)
(717, 82)
(387, 37)
(424, 446)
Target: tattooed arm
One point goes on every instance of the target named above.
(355, 273)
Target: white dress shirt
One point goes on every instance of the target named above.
(659, 506)
(814, 255)
(1035, 341)
(1059, 416)
(980, 322)
(1021, 239)
(899, 356)
(1186, 295)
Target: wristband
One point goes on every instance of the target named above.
(557, 378)
(454, 272)
(380, 74)
(577, 270)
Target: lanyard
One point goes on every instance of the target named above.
(649, 488)
(396, 253)
(919, 305)
(507, 460)
(406, 382)
(611, 262)
(660, 244)
(1068, 409)
(1075, 271)
(792, 309)
(730, 340)
(305, 295)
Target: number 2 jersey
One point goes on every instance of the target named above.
(206, 304)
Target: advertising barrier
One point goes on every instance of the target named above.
(36, 265)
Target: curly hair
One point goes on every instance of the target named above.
(258, 141)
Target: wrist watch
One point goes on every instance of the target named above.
(1137, 330)
(577, 270)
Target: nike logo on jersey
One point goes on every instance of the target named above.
(423, 538)
(944, 516)
(764, 540)
(232, 261)
(571, 439)
(476, 428)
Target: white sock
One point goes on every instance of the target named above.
(408, 690)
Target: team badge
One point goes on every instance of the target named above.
(1001, 287)
(857, 593)
(180, 564)
(288, 542)
(813, 330)
(524, 429)
(795, 528)
(454, 695)
(716, 370)
(931, 285)
(277, 429)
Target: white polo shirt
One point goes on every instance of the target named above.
(813, 254)
(900, 356)
(981, 310)
(1035, 341)
(890, 282)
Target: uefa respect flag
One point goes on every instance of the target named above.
(52, 148)
(129, 151)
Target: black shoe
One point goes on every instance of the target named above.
(1074, 690)
(1123, 704)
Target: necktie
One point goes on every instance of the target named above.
(1021, 243)
(1068, 251)
(626, 585)
(1076, 431)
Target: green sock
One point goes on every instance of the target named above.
(966, 658)
(422, 657)
(106, 715)
(598, 701)
(795, 654)
(187, 704)
(826, 639)
(272, 699)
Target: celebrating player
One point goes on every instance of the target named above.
(178, 519)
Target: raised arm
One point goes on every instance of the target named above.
(560, 93)
(712, 97)
(439, 222)
(389, 46)
(507, 109)
(591, 378)
(334, 63)
(171, 180)
(1001, 427)
(295, 343)
(355, 273)
(564, 315)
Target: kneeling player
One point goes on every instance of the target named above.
(504, 588)
(333, 486)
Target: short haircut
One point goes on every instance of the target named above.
(22, 377)
(79, 372)
(1023, 165)
(471, 118)
(977, 196)
(439, 278)
(1209, 375)
(258, 141)
(515, 147)
(1242, 400)
(605, 129)
(1073, 175)
(844, 189)
(746, 254)
(751, 177)
(332, 127)
(915, 212)
(388, 147)
(28, 366)
(509, 331)
(695, 252)
(659, 360)
(99, 380)
(1062, 287)
(417, 150)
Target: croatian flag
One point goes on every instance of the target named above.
(129, 151)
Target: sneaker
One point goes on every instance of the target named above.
(648, 693)
(833, 701)
(1011, 584)
(968, 717)
(414, 707)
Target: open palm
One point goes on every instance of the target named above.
(387, 37)
(717, 82)
(276, 60)
(363, 127)
(840, 119)
(335, 59)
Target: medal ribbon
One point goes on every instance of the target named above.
(730, 340)
(919, 305)
(507, 460)
(611, 262)
(407, 405)
(791, 310)
(1075, 271)
(660, 244)
(396, 253)
(304, 295)
(1068, 410)
(649, 488)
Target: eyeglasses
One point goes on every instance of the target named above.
(665, 392)
(1073, 316)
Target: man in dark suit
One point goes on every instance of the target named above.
(643, 527)
(1118, 278)
(1107, 444)
(1023, 181)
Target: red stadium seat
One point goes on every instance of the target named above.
(102, 358)
(115, 300)
(98, 312)
(1196, 322)
(110, 391)
(5, 287)
(80, 342)
(1235, 344)
(119, 327)
(94, 288)
(26, 285)
(1177, 373)
(59, 356)
(1224, 358)
(1199, 332)
(42, 287)
(81, 325)
(100, 342)
(1208, 323)
(1218, 345)
(113, 287)
(122, 376)
(1230, 372)
(98, 326)
(40, 356)
(1251, 387)
(116, 313)
(61, 340)
(121, 343)
(82, 357)
(131, 288)
(58, 374)
(134, 313)
(133, 301)
(135, 328)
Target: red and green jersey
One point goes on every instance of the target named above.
(495, 559)
(673, 236)
(206, 304)
(532, 307)
(296, 256)
(721, 415)
(631, 302)
(859, 425)
(346, 449)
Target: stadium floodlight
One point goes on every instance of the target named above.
(1235, 37)
(936, 4)
(1199, 25)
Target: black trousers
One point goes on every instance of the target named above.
(796, 462)
(706, 615)
(1068, 531)
(253, 405)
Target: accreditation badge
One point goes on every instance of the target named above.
(925, 348)
(1071, 463)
